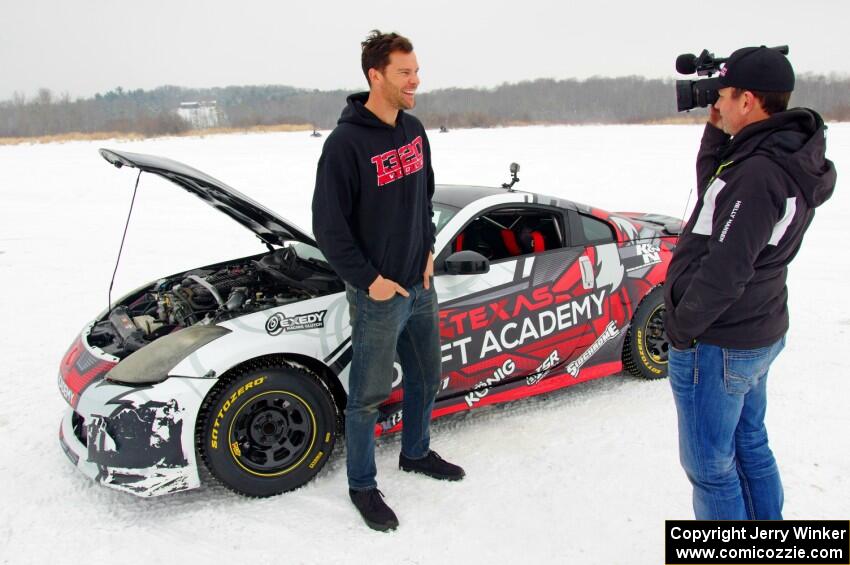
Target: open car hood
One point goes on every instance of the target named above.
(268, 226)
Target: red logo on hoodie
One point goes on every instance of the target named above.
(394, 164)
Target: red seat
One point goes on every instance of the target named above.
(537, 242)
(509, 239)
(459, 243)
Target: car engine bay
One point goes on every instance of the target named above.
(209, 295)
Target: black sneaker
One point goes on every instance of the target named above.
(432, 465)
(374, 510)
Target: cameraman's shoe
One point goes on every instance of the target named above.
(375, 512)
(432, 465)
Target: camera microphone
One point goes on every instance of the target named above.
(686, 63)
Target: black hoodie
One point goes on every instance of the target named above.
(372, 203)
(757, 195)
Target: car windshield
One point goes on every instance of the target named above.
(442, 214)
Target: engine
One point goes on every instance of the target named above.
(210, 295)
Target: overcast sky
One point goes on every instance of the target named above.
(88, 46)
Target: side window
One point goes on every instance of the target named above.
(511, 232)
(588, 230)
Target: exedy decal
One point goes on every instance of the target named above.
(611, 331)
(279, 322)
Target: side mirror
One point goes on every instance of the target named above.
(467, 262)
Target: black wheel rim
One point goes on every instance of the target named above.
(272, 433)
(655, 338)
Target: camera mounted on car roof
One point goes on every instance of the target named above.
(702, 93)
(514, 178)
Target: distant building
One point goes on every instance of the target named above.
(201, 115)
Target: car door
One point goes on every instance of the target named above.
(532, 313)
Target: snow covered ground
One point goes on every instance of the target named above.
(585, 475)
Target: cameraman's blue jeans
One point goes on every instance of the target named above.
(409, 326)
(721, 400)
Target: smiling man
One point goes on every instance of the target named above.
(372, 219)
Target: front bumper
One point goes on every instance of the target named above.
(136, 439)
(129, 466)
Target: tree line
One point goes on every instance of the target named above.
(596, 100)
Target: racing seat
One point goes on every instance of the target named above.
(529, 241)
(537, 242)
(509, 239)
(497, 243)
(479, 237)
(459, 242)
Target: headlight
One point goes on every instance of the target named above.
(152, 363)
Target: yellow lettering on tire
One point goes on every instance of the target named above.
(316, 459)
(226, 406)
(642, 353)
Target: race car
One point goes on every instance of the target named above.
(243, 364)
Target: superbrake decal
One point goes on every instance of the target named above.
(611, 331)
(511, 322)
(396, 163)
(279, 322)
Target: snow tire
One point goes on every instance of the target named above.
(267, 428)
(645, 348)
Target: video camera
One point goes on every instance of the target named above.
(696, 93)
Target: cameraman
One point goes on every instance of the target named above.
(761, 172)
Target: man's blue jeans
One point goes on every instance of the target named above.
(409, 326)
(721, 400)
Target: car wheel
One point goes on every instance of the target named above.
(646, 346)
(267, 429)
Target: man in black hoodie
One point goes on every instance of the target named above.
(761, 172)
(372, 219)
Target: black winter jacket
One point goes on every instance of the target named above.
(757, 195)
(372, 203)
